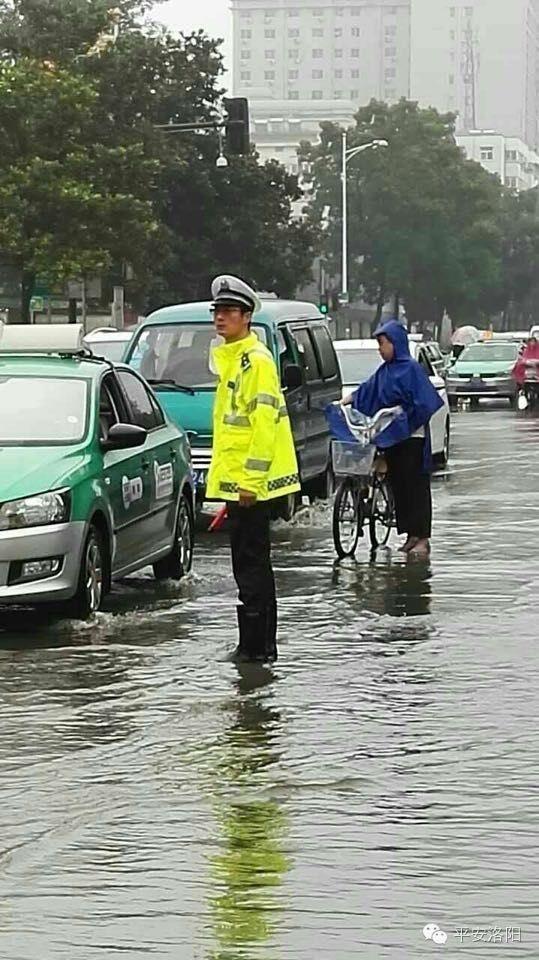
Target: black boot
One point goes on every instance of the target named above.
(257, 633)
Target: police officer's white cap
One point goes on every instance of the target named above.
(233, 292)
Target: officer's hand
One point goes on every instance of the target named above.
(246, 498)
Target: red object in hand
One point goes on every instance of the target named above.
(218, 520)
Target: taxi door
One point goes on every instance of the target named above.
(128, 494)
(160, 461)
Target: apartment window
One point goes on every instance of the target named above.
(269, 75)
(293, 13)
(292, 74)
(269, 14)
(269, 54)
(391, 31)
(511, 155)
(318, 54)
(452, 36)
(355, 31)
(293, 33)
(354, 94)
(337, 95)
(354, 74)
(246, 15)
(318, 32)
(338, 54)
(511, 182)
(245, 75)
(487, 153)
(391, 51)
(338, 31)
(354, 52)
(293, 54)
(355, 11)
(451, 79)
(468, 11)
(245, 55)
(316, 95)
(317, 74)
(246, 34)
(269, 34)
(390, 73)
(293, 94)
(339, 12)
(390, 93)
(452, 11)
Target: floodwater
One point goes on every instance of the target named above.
(158, 801)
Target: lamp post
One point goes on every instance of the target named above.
(348, 154)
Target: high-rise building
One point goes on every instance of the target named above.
(480, 59)
(307, 61)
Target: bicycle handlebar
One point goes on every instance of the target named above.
(371, 425)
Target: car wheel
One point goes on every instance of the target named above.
(92, 578)
(442, 458)
(180, 559)
(284, 508)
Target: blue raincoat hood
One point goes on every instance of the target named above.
(401, 382)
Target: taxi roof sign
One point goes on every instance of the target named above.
(64, 338)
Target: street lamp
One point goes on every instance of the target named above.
(348, 154)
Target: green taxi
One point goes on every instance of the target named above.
(95, 480)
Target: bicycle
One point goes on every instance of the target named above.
(363, 492)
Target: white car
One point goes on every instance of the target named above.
(108, 342)
(358, 359)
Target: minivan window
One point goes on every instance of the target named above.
(306, 349)
(179, 352)
(326, 352)
(42, 410)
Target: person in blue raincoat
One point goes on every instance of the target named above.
(401, 381)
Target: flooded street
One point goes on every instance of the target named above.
(158, 801)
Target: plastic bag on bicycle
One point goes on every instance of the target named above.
(338, 426)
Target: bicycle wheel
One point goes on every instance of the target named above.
(347, 518)
(381, 513)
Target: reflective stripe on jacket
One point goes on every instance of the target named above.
(253, 448)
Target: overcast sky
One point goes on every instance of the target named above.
(213, 16)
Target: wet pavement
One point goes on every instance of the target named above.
(157, 801)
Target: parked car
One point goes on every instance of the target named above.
(484, 370)
(359, 359)
(171, 349)
(108, 342)
(96, 482)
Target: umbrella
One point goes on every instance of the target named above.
(464, 336)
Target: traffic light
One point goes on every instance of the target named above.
(237, 126)
(323, 305)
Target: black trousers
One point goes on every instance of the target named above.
(411, 488)
(251, 554)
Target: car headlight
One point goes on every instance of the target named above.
(38, 511)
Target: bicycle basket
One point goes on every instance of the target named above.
(352, 459)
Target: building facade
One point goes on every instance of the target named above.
(514, 163)
(306, 61)
(479, 59)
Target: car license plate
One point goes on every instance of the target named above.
(200, 477)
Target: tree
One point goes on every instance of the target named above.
(69, 205)
(423, 221)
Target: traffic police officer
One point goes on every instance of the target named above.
(253, 460)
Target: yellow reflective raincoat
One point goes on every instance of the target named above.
(253, 448)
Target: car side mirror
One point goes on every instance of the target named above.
(292, 376)
(124, 436)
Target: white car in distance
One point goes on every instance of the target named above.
(358, 360)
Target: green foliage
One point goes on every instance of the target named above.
(87, 178)
(423, 221)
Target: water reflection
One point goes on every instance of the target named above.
(386, 585)
(252, 861)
